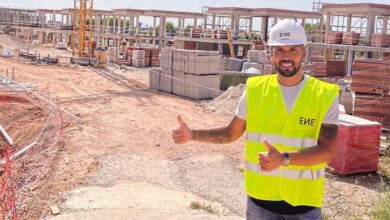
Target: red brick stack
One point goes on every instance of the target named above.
(351, 38)
(334, 38)
(358, 144)
(371, 84)
(318, 69)
(380, 40)
(155, 58)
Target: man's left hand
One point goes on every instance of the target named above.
(272, 160)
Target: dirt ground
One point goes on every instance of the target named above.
(119, 161)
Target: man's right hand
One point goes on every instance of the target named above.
(181, 134)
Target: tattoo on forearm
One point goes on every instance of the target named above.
(218, 136)
(329, 131)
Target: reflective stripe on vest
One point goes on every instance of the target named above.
(287, 173)
(278, 139)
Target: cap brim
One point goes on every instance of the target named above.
(286, 43)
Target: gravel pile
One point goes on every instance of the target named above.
(227, 102)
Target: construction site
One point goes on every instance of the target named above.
(89, 97)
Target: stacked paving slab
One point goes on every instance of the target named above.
(188, 73)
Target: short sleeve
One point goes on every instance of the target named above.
(332, 115)
(241, 107)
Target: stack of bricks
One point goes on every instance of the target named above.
(334, 38)
(154, 58)
(166, 63)
(371, 84)
(351, 38)
(380, 40)
(138, 58)
(221, 34)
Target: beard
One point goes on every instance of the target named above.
(287, 73)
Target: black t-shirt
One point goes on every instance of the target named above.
(281, 207)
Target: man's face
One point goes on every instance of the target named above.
(288, 59)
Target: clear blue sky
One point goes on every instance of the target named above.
(177, 5)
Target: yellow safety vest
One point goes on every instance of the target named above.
(267, 117)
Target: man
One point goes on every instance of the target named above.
(291, 125)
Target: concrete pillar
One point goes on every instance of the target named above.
(195, 22)
(114, 24)
(131, 25)
(349, 22)
(161, 35)
(205, 23)
(327, 26)
(124, 24)
(250, 24)
(154, 25)
(154, 31)
(303, 22)
(385, 22)
(179, 24)
(119, 24)
(213, 22)
(236, 25)
(370, 26)
(232, 19)
(264, 28)
(137, 27)
(183, 23)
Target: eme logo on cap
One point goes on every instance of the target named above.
(285, 35)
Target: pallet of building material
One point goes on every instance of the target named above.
(196, 62)
(221, 34)
(196, 32)
(248, 65)
(202, 87)
(370, 64)
(155, 58)
(129, 55)
(190, 45)
(166, 81)
(335, 68)
(147, 57)
(358, 140)
(139, 63)
(155, 78)
(351, 38)
(179, 84)
(380, 40)
(334, 38)
(112, 54)
(207, 33)
(166, 61)
(214, 33)
(318, 69)
(373, 81)
(232, 64)
(373, 107)
(258, 56)
(196, 86)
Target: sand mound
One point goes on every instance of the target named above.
(227, 102)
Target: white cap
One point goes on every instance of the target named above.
(287, 32)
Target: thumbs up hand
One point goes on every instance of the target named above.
(181, 134)
(271, 160)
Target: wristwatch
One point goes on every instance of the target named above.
(286, 159)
